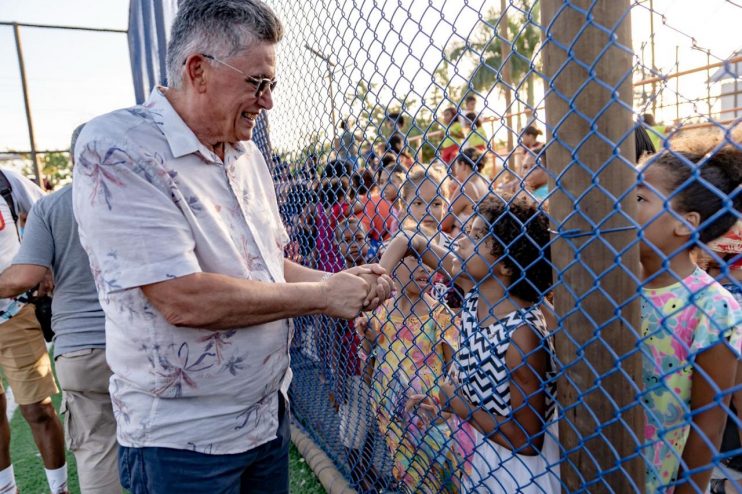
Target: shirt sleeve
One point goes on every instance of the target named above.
(37, 246)
(718, 319)
(130, 225)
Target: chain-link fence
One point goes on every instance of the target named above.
(566, 264)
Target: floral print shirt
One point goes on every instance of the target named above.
(679, 322)
(153, 204)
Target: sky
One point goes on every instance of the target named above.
(74, 76)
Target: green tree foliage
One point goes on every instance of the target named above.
(484, 48)
(56, 168)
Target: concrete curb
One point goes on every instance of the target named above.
(329, 476)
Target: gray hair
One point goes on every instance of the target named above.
(73, 141)
(220, 28)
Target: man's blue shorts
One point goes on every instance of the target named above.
(264, 469)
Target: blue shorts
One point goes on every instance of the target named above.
(264, 469)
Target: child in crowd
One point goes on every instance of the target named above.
(410, 343)
(389, 179)
(724, 264)
(475, 136)
(398, 149)
(372, 209)
(690, 323)
(423, 205)
(534, 173)
(453, 135)
(326, 258)
(351, 392)
(471, 186)
(503, 386)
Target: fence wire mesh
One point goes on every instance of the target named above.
(560, 215)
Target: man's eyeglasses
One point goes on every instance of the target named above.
(260, 83)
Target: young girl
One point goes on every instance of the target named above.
(690, 324)
(504, 386)
(422, 204)
(411, 342)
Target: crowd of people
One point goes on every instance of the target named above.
(456, 371)
(177, 267)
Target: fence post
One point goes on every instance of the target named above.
(588, 66)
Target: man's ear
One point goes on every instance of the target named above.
(687, 223)
(195, 72)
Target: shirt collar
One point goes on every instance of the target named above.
(179, 136)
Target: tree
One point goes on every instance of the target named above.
(56, 168)
(486, 52)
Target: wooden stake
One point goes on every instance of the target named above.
(588, 65)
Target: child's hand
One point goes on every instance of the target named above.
(427, 409)
(365, 330)
(446, 393)
(380, 284)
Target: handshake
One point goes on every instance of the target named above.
(357, 289)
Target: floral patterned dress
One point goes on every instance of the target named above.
(410, 361)
(678, 322)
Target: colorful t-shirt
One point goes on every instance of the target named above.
(679, 322)
(453, 135)
(410, 361)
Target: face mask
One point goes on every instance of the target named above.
(20, 231)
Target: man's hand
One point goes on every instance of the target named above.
(345, 294)
(380, 284)
(46, 287)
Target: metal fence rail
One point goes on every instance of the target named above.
(567, 307)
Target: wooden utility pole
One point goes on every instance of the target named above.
(505, 77)
(27, 102)
(588, 61)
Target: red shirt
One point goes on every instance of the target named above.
(377, 217)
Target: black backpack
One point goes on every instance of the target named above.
(43, 304)
(6, 191)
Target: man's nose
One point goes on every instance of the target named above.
(266, 99)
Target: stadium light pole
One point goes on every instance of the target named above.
(330, 66)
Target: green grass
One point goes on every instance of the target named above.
(301, 478)
(29, 469)
(27, 464)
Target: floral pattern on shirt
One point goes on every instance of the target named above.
(678, 322)
(153, 204)
(410, 361)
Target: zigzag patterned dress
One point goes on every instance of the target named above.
(485, 380)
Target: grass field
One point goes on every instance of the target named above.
(29, 470)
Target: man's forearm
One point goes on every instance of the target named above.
(214, 301)
(20, 278)
(296, 273)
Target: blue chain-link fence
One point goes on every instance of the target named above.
(566, 314)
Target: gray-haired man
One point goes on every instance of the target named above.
(177, 211)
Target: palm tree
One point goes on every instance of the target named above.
(485, 50)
